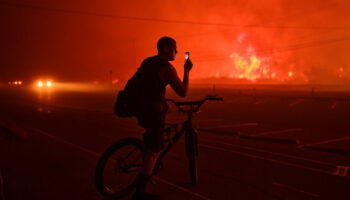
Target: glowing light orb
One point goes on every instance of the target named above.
(115, 81)
(40, 84)
(48, 83)
(290, 74)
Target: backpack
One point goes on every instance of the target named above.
(139, 89)
(121, 107)
(127, 99)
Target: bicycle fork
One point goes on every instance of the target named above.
(191, 143)
(192, 153)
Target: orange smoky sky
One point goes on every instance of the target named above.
(305, 41)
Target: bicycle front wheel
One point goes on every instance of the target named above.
(193, 170)
(118, 167)
(192, 152)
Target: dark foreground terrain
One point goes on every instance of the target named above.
(256, 144)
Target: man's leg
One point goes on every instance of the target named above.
(149, 162)
(146, 172)
(153, 139)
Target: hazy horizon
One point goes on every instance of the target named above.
(300, 41)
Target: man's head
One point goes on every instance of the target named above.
(167, 48)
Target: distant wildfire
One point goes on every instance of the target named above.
(249, 66)
(248, 63)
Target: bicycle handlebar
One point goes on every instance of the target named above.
(194, 103)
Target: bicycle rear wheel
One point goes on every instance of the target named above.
(118, 167)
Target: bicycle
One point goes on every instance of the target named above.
(131, 150)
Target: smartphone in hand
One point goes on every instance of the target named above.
(187, 56)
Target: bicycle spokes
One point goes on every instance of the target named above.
(122, 167)
(130, 163)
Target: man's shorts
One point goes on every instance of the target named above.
(153, 120)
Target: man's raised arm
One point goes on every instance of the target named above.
(179, 87)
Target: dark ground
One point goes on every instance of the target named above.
(256, 144)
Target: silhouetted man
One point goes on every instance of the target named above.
(156, 73)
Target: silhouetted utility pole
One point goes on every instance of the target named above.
(110, 76)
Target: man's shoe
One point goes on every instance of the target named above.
(145, 196)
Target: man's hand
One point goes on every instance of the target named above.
(188, 65)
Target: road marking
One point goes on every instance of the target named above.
(99, 155)
(67, 143)
(341, 170)
(279, 154)
(279, 131)
(14, 130)
(181, 188)
(237, 125)
(267, 159)
(325, 142)
(259, 102)
(334, 105)
(270, 139)
(210, 120)
(295, 189)
(234, 133)
(233, 100)
(296, 102)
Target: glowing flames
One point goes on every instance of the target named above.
(252, 64)
(248, 65)
(250, 68)
(259, 63)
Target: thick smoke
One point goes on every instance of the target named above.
(84, 40)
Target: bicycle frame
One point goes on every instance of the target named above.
(185, 129)
(122, 163)
(191, 143)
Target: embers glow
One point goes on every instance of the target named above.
(250, 67)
